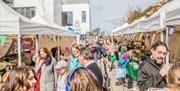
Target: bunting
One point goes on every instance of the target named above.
(3, 39)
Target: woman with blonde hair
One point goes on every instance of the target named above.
(19, 79)
(62, 68)
(74, 62)
(173, 77)
(81, 79)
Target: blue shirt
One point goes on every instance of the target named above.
(74, 63)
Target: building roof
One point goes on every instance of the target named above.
(77, 1)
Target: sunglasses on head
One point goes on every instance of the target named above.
(68, 88)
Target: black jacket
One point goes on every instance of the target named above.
(149, 76)
(100, 51)
(93, 67)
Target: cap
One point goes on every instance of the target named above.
(61, 63)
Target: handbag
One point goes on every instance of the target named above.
(133, 71)
(119, 72)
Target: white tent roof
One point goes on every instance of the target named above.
(12, 22)
(169, 14)
(121, 27)
(61, 31)
(69, 33)
(43, 20)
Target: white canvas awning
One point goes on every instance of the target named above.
(12, 22)
(43, 20)
(169, 14)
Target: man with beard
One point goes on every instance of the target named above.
(152, 71)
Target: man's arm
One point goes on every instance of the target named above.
(146, 80)
(102, 51)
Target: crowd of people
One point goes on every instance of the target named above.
(85, 67)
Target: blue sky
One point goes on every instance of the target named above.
(106, 14)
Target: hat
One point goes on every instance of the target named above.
(60, 64)
(124, 49)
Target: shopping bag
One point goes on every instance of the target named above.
(119, 73)
(133, 71)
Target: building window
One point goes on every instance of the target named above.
(83, 16)
(67, 18)
(8, 2)
(28, 12)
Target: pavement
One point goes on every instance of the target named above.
(116, 86)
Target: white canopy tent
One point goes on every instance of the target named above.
(43, 20)
(40, 16)
(169, 14)
(61, 31)
(13, 23)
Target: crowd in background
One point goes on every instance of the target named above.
(85, 67)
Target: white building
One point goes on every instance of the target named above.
(76, 16)
(51, 9)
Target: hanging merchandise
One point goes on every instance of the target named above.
(147, 36)
(171, 30)
(153, 37)
(134, 35)
(32, 36)
(43, 36)
(54, 38)
(3, 39)
(50, 38)
(141, 35)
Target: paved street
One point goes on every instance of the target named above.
(114, 87)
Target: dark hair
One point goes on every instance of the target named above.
(159, 43)
(17, 79)
(100, 38)
(86, 52)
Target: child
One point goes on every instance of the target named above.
(62, 68)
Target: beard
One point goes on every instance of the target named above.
(157, 63)
(156, 60)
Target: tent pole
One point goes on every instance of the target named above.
(162, 24)
(19, 49)
(112, 39)
(19, 44)
(37, 43)
(78, 39)
(161, 36)
(167, 43)
(58, 47)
